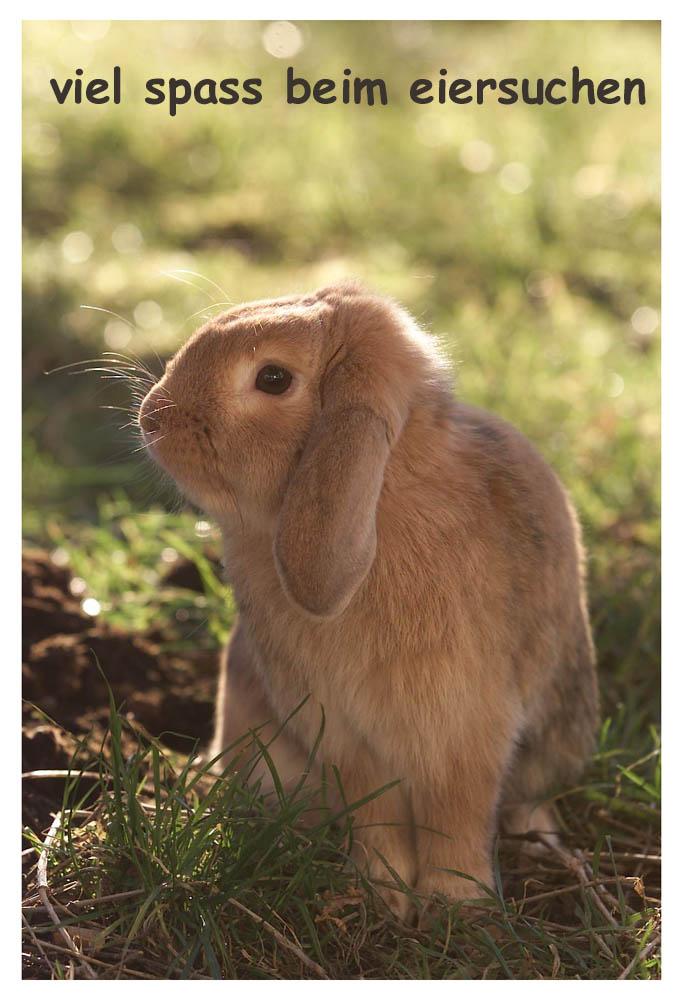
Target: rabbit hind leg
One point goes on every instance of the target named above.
(525, 810)
(554, 746)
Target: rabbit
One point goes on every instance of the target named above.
(402, 561)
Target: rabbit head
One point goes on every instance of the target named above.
(283, 414)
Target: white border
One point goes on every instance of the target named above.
(673, 367)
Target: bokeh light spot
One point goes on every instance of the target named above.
(514, 177)
(77, 247)
(127, 238)
(148, 314)
(90, 31)
(90, 606)
(645, 320)
(591, 180)
(476, 156)
(117, 334)
(282, 39)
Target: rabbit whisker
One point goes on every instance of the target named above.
(147, 444)
(86, 361)
(132, 359)
(184, 281)
(195, 274)
(123, 319)
(110, 313)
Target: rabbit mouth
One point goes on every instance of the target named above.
(182, 444)
(185, 451)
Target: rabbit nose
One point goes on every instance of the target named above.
(151, 417)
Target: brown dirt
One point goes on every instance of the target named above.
(64, 692)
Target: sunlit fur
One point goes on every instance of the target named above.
(408, 561)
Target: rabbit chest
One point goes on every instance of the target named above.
(404, 653)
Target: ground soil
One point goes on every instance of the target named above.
(65, 694)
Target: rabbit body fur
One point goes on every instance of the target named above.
(404, 561)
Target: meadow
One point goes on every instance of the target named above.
(527, 239)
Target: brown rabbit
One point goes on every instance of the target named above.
(407, 561)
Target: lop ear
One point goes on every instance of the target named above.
(325, 542)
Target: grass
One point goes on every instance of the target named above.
(547, 303)
(159, 871)
(207, 863)
(122, 559)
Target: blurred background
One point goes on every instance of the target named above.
(527, 237)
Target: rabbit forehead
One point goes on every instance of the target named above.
(295, 333)
(376, 339)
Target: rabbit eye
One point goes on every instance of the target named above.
(273, 380)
